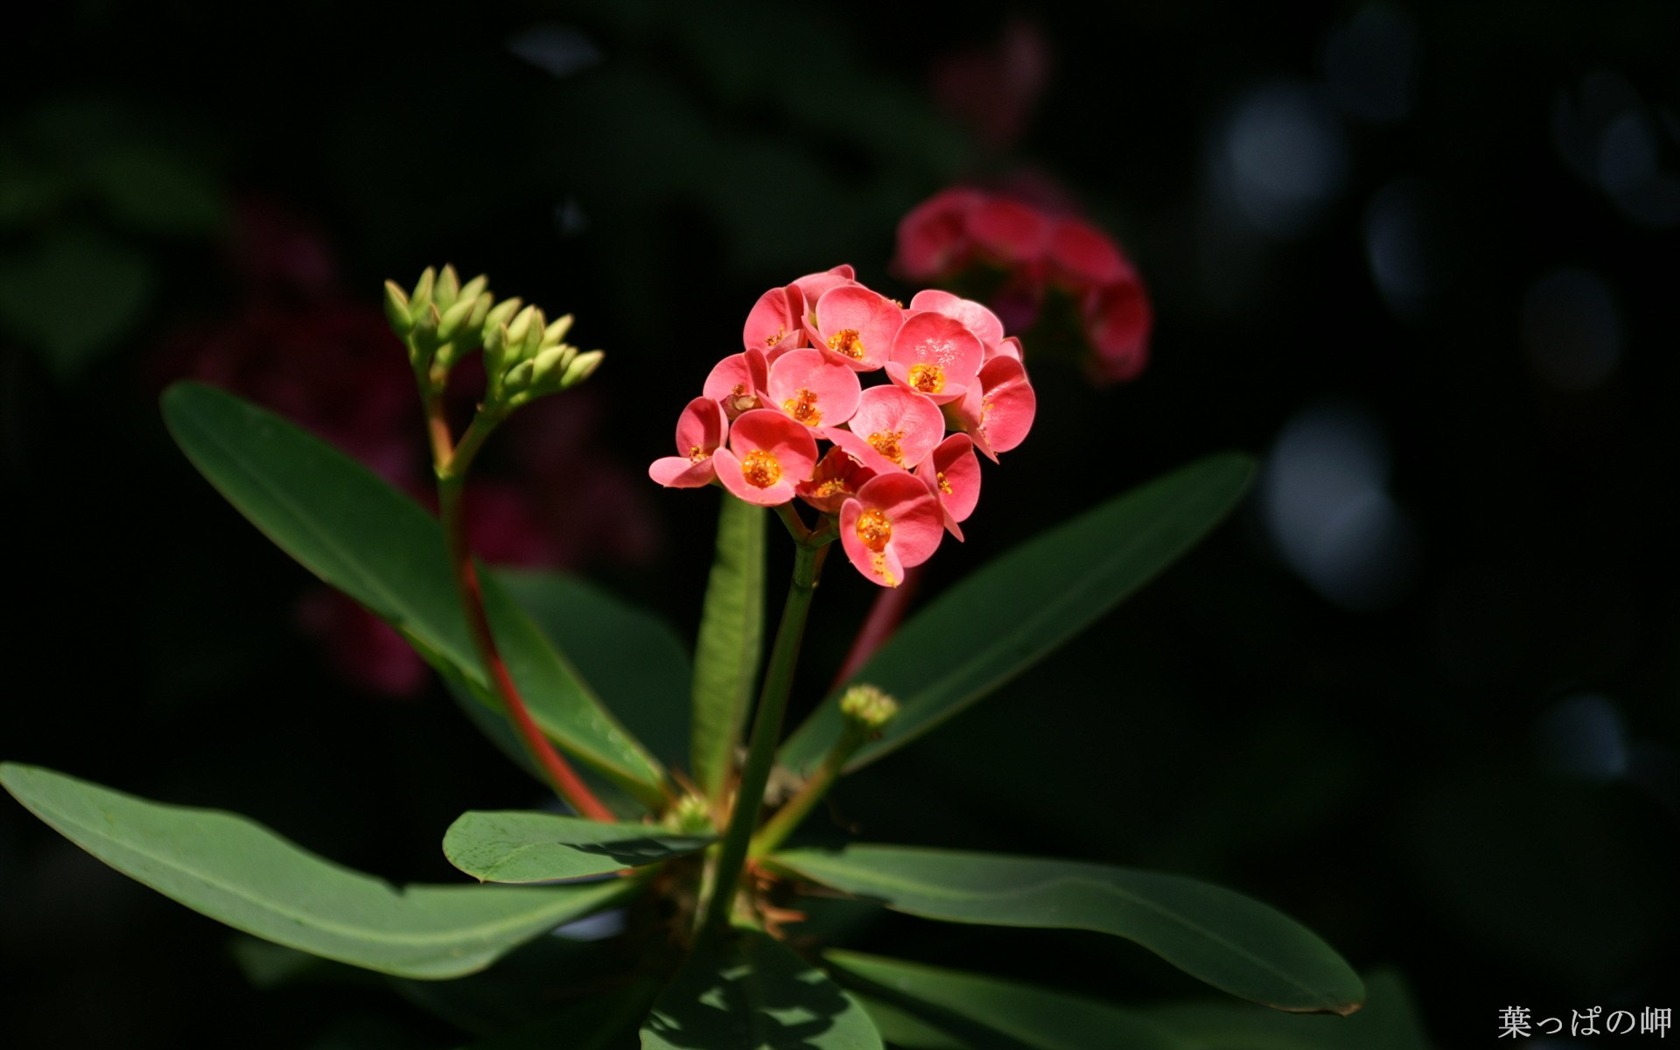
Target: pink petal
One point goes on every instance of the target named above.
(1013, 233)
(901, 425)
(701, 428)
(738, 382)
(933, 239)
(812, 389)
(952, 474)
(1082, 256)
(680, 472)
(837, 478)
(935, 355)
(893, 523)
(773, 324)
(856, 326)
(768, 455)
(974, 316)
(1118, 320)
(1008, 404)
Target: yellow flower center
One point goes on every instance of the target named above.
(874, 530)
(803, 407)
(944, 486)
(886, 443)
(761, 468)
(847, 341)
(929, 379)
(697, 454)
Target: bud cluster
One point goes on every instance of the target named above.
(890, 478)
(525, 356)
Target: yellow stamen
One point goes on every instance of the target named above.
(761, 468)
(696, 454)
(944, 486)
(772, 340)
(847, 341)
(886, 443)
(874, 530)
(929, 379)
(803, 407)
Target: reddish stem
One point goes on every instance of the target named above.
(451, 472)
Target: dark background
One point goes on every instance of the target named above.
(1419, 692)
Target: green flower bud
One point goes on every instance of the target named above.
(557, 331)
(580, 368)
(474, 288)
(498, 318)
(868, 708)
(396, 310)
(691, 815)
(447, 289)
(549, 366)
(453, 318)
(520, 328)
(421, 297)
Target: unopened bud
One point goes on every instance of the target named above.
(520, 328)
(475, 287)
(868, 708)
(557, 331)
(549, 366)
(691, 815)
(421, 297)
(580, 368)
(453, 318)
(396, 309)
(448, 287)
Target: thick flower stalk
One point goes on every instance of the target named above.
(865, 410)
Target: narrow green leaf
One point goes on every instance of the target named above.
(360, 535)
(634, 660)
(948, 1008)
(1389, 1020)
(535, 847)
(240, 873)
(730, 643)
(748, 992)
(1032, 599)
(1213, 934)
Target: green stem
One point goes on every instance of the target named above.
(776, 830)
(766, 732)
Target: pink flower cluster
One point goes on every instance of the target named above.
(960, 228)
(790, 418)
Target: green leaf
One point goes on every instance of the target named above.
(1388, 1021)
(637, 664)
(731, 640)
(535, 847)
(1213, 934)
(746, 991)
(935, 1008)
(1031, 599)
(240, 873)
(360, 535)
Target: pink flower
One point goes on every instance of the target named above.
(701, 428)
(1118, 319)
(855, 326)
(838, 477)
(768, 455)
(936, 356)
(960, 234)
(774, 325)
(892, 429)
(998, 412)
(952, 474)
(933, 238)
(738, 382)
(813, 390)
(893, 523)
